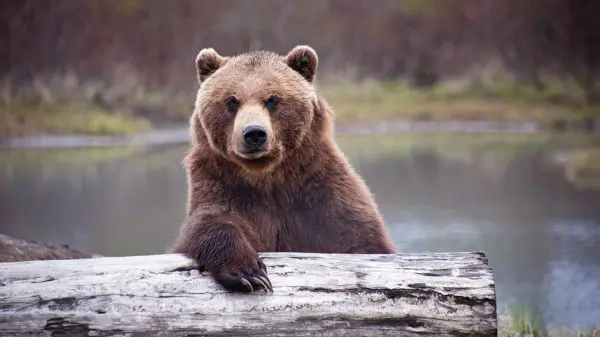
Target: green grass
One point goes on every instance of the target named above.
(71, 110)
(523, 323)
(26, 118)
(502, 101)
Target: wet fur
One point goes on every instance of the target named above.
(304, 198)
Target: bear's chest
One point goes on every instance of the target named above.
(280, 221)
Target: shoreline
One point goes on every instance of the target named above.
(180, 134)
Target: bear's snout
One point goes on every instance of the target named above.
(255, 136)
(252, 133)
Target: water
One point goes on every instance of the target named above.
(498, 194)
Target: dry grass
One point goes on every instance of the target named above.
(67, 104)
(122, 104)
(583, 168)
(359, 103)
(23, 118)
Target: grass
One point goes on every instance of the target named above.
(69, 105)
(501, 101)
(583, 168)
(523, 323)
(25, 118)
(587, 158)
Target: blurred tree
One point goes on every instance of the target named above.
(419, 39)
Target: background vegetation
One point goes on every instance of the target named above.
(133, 59)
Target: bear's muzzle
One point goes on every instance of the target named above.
(255, 136)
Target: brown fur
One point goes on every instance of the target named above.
(300, 195)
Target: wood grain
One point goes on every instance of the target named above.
(444, 294)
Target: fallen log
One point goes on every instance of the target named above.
(445, 294)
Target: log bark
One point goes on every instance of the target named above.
(447, 294)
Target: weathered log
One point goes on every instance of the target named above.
(444, 294)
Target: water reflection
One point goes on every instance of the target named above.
(539, 231)
(125, 206)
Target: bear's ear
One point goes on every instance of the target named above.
(207, 62)
(304, 60)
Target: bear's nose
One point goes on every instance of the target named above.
(255, 135)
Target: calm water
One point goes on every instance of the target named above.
(437, 193)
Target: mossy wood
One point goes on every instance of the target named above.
(444, 294)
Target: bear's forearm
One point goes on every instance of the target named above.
(211, 240)
(220, 246)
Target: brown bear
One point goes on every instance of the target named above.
(264, 172)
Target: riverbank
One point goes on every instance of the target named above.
(580, 159)
(459, 100)
(180, 134)
(366, 107)
(577, 155)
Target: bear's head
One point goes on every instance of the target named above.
(256, 108)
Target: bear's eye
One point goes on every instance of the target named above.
(233, 104)
(272, 103)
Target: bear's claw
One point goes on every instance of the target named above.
(247, 281)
